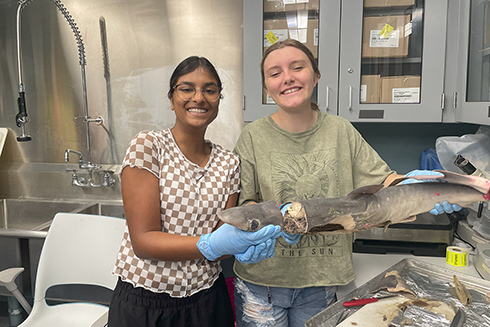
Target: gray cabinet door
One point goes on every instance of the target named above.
(468, 66)
(255, 104)
(402, 45)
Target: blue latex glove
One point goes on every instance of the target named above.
(438, 208)
(292, 239)
(257, 253)
(230, 240)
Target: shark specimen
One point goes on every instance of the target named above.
(363, 208)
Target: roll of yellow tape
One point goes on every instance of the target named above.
(456, 256)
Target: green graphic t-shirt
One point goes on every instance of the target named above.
(326, 161)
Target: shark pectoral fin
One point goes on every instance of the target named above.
(406, 220)
(409, 219)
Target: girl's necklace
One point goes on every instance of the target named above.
(202, 158)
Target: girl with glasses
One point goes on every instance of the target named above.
(174, 182)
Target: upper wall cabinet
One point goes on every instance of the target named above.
(392, 60)
(380, 60)
(313, 22)
(467, 81)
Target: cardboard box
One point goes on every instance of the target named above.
(400, 89)
(388, 3)
(370, 88)
(290, 5)
(277, 30)
(384, 36)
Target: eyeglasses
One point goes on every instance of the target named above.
(186, 92)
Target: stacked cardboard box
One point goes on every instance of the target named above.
(278, 30)
(400, 89)
(384, 36)
(370, 88)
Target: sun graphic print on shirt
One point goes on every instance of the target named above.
(298, 176)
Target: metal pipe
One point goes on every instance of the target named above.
(85, 106)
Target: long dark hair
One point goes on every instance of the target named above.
(298, 45)
(189, 65)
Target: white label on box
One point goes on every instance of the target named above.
(363, 92)
(315, 37)
(406, 95)
(377, 41)
(280, 34)
(289, 2)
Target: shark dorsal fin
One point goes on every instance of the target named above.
(420, 178)
(370, 189)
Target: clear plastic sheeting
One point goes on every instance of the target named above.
(474, 147)
(432, 288)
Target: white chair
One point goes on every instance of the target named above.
(79, 249)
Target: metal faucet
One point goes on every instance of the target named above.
(80, 181)
(79, 154)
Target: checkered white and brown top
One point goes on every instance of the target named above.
(190, 198)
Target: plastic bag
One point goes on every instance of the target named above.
(474, 147)
(429, 160)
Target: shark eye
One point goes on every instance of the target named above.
(254, 225)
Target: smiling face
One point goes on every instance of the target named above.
(197, 112)
(289, 78)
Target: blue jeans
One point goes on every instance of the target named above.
(262, 306)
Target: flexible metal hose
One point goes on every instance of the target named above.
(22, 116)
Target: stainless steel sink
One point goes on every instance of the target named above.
(112, 209)
(31, 218)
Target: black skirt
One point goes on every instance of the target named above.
(138, 307)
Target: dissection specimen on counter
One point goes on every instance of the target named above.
(462, 292)
(364, 208)
(394, 283)
(401, 312)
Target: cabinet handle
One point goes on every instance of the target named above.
(327, 97)
(443, 100)
(350, 98)
(455, 100)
